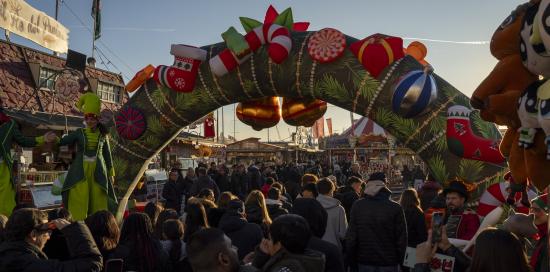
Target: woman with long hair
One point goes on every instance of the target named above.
(163, 216)
(195, 219)
(225, 197)
(105, 231)
(153, 210)
(173, 244)
(138, 247)
(256, 210)
(499, 251)
(416, 225)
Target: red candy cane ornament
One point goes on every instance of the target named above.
(278, 38)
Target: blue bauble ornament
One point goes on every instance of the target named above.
(414, 93)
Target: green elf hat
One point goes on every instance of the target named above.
(89, 104)
(541, 202)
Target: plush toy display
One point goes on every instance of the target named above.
(303, 112)
(534, 56)
(414, 93)
(528, 108)
(181, 76)
(500, 91)
(378, 51)
(462, 142)
(259, 113)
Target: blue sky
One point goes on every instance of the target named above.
(140, 32)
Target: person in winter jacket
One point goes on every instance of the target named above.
(256, 211)
(105, 231)
(337, 224)
(173, 245)
(222, 179)
(539, 258)
(286, 249)
(210, 250)
(138, 247)
(173, 191)
(316, 216)
(246, 236)
(430, 190)
(204, 182)
(274, 203)
(377, 234)
(255, 179)
(350, 193)
(416, 226)
(239, 182)
(28, 230)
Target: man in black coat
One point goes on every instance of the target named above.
(172, 191)
(274, 203)
(239, 182)
(28, 230)
(246, 236)
(204, 182)
(316, 216)
(377, 236)
(349, 194)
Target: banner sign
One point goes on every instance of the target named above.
(22, 19)
(439, 263)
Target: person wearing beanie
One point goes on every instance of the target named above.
(10, 133)
(317, 217)
(376, 239)
(539, 258)
(88, 186)
(246, 236)
(429, 190)
(462, 223)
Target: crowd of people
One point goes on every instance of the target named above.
(275, 219)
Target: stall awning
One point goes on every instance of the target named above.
(43, 120)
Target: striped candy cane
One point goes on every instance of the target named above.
(278, 38)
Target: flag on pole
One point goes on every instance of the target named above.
(329, 126)
(96, 14)
(319, 128)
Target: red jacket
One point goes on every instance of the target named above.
(468, 225)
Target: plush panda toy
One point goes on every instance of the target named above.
(535, 56)
(528, 115)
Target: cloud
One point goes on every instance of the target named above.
(447, 41)
(137, 29)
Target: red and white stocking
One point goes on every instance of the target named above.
(462, 142)
(181, 76)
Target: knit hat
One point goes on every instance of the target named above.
(89, 103)
(541, 202)
(377, 176)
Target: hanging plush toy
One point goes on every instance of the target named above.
(378, 51)
(534, 56)
(528, 107)
(414, 93)
(462, 142)
(181, 76)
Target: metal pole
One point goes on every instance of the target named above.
(56, 9)
(223, 128)
(234, 121)
(217, 127)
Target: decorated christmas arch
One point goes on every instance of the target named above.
(375, 77)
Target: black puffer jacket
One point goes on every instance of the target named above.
(377, 233)
(126, 251)
(283, 260)
(275, 208)
(22, 256)
(246, 236)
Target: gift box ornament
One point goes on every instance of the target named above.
(260, 113)
(181, 76)
(378, 51)
(303, 112)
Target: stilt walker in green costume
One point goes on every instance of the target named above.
(88, 186)
(9, 133)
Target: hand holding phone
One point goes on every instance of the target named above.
(437, 224)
